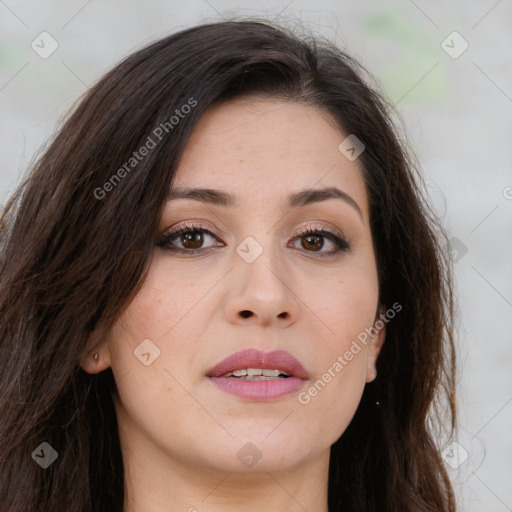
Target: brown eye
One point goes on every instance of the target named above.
(192, 240)
(312, 242)
(189, 239)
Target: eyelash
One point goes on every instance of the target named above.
(165, 241)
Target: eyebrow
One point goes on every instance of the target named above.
(295, 200)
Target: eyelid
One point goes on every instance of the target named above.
(335, 237)
(324, 229)
(320, 227)
(193, 225)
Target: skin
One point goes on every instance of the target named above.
(180, 434)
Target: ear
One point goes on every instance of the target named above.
(375, 347)
(96, 357)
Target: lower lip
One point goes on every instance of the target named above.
(260, 390)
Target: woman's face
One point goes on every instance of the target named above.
(257, 283)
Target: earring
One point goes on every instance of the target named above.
(96, 356)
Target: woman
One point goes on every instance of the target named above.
(221, 287)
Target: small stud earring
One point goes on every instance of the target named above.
(96, 356)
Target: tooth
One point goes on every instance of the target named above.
(271, 373)
(250, 373)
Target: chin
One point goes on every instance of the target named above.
(265, 450)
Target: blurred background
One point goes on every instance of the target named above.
(447, 69)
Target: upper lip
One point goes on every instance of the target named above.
(255, 358)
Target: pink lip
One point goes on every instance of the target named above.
(263, 390)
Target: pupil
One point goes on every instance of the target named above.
(194, 238)
(312, 241)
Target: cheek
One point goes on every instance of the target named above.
(345, 301)
(346, 307)
(339, 379)
(152, 346)
(139, 343)
(333, 398)
(169, 302)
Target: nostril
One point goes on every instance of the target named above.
(246, 313)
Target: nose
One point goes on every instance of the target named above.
(260, 293)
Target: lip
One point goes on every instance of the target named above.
(263, 390)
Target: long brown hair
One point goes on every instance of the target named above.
(76, 242)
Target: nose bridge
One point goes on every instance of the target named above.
(261, 286)
(259, 263)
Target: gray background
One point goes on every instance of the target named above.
(457, 114)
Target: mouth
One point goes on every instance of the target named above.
(256, 374)
(259, 376)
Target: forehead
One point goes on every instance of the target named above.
(267, 148)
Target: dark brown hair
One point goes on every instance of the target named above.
(72, 258)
